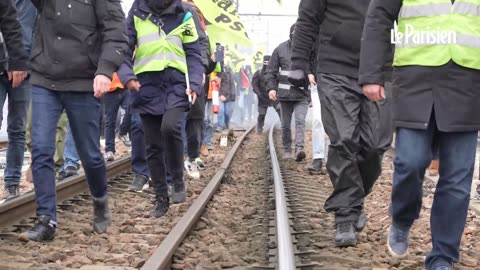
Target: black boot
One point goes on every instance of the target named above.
(42, 231)
(345, 235)
(160, 207)
(179, 194)
(316, 167)
(102, 218)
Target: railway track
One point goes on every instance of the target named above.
(255, 211)
(131, 242)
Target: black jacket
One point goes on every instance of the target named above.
(227, 85)
(75, 40)
(276, 75)
(12, 35)
(338, 24)
(451, 91)
(258, 84)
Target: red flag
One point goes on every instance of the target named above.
(245, 80)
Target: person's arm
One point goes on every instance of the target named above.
(310, 16)
(376, 44)
(125, 72)
(111, 24)
(12, 35)
(202, 36)
(191, 46)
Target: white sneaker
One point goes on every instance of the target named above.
(192, 169)
(109, 156)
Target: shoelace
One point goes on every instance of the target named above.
(344, 227)
(401, 236)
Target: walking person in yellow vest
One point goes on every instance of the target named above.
(165, 73)
(435, 102)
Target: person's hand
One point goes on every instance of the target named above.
(214, 58)
(374, 92)
(311, 79)
(223, 98)
(133, 85)
(272, 94)
(191, 93)
(101, 84)
(17, 77)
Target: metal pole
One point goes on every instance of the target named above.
(286, 257)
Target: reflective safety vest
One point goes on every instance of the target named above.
(157, 51)
(433, 32)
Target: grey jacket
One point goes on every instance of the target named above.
(75, 40)
(276, 75)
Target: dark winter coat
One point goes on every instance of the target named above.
(12, 35)
(258, 84)
(450, 90)
(76, 40)
(338, 25)
(227, 85)
(276, 75)
(164, 90)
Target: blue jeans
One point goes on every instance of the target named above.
(207, 133)
(224, 115)
(139, 154)
(452, 194)
(70, 153)
(18, 105)
(112, 102)
(82, 110)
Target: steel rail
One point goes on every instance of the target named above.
(162, 256)
(24, 206)
(286, 254)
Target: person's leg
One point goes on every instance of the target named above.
(452, 196)
(300, 111)
(111, 105)
(412, 155)
(208, 126)
(18, 101)
(72, 161)
(228, 113)
(46, 110)
(83, 110)
(139, 155)
(262, 112)
(221, 116)
(61, 137)
(155, 148)
(287, 108)
(171, 132)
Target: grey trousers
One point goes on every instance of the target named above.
(360, 132)
(299, 109)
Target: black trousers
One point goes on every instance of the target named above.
(360, 132)
(193, 130)
(163, 139)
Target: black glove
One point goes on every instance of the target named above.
(298, 78)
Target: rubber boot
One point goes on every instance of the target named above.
(433, 169)
(102, 218)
